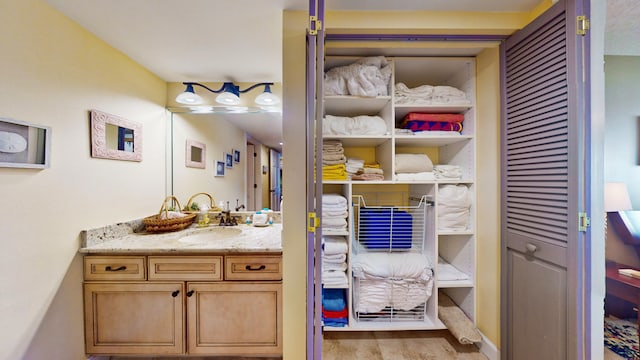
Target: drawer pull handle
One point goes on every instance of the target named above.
(175, 293)
(120, 268)
(251, 268)
(531, 248)
(189, 293)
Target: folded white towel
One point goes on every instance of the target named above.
(334, 199)
(334, 258)
(334, 266)
(448, 272)
(336, 223)
(335, 278)
(447, 171)
(357, 125)
(334, 245)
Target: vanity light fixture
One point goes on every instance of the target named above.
(229, 94)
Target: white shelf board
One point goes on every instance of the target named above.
(428, 324)
(436, 140)
(403, 110)
(455, 284)
(358, 140)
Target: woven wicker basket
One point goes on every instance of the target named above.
(156, 223)
(212, 206)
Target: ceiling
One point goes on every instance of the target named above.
(241, 40)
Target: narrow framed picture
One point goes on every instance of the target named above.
(220, 168)
(236, 156)
(228, 160)
(24, 145)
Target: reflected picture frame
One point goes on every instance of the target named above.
(195, 154)
(24, 145)
(228, 160)
(220, 166)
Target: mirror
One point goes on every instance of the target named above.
(113, 137)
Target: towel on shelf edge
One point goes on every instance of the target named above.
(334, 245)
(334, 199)
(344, 313)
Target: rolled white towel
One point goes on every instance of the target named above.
(413, 163)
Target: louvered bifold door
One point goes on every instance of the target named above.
(540, 183)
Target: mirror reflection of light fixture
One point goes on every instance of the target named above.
(229, 94)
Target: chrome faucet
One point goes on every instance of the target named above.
(238, 207)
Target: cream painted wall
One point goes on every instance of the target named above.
(220, 137)
(488, 194)
(53, 72)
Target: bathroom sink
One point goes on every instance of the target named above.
(213, 234)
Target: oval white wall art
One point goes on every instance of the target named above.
(11, 142)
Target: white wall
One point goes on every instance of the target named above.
(53, 72)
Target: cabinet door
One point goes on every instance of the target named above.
(134, 318)
(234, 318)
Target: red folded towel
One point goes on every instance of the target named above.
(335, 314)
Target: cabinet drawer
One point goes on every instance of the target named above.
(114, 268)
(185, 268)
(262, 267)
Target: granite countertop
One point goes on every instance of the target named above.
(126, 238)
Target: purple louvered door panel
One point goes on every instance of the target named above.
(542, 176)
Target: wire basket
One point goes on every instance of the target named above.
(389, 300)
(157, 223)
(390, 228)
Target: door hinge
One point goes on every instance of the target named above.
(582, 25)
(314, 222)
(315, 25)
(583, 221)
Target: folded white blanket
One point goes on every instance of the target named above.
(374, 295)
(391, 266)
(421, 176)
(334, 245)
(413, 163)
(358, 125)
(334, 258)
(365, 77)
(337, 213)
(454, 203)
(447, 171)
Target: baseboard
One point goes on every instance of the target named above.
(488, 348)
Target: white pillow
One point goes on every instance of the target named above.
(413, 163)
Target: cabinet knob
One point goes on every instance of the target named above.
(175, 293)
(531, 248)
(189, 293)
(120, 268)
(258, 268)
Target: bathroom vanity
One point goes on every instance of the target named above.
(210, 291)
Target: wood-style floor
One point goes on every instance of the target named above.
(396, 345)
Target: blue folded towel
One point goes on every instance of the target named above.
(340, 322)
(334, 299)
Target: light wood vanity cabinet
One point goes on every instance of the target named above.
(181, 304)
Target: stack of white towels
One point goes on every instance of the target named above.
(334, 214)
(428, 94)
(402, 281)
(454, 206)
(354, 165)
(334, 262)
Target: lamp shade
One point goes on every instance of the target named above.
(228, 98)
(189, 97)
(267, 98)
(616, 197)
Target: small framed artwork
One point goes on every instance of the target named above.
(264, 169)
(236, 156)
(114, 137)
(228, 160)
(220, 168)
(195, 154)
(24, 145)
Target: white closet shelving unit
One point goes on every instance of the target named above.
(458, 248)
